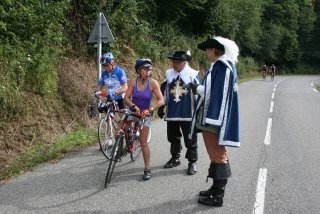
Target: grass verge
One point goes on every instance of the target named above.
(242, 80)
(318, 87)
(32, 157)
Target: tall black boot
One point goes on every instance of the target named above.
(215, 171)
(209, 192)
(220, 174)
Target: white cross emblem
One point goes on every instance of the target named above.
(235, 87)
(177, 91)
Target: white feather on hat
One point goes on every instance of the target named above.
(231, 50)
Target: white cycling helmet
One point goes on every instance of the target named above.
(106, 58)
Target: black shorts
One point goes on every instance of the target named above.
(121, 104)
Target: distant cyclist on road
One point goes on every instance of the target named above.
(272, 71)
(113, 80)
(264, 71)
(138, 98)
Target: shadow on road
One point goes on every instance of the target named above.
(174, 206)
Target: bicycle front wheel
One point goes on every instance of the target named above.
(113, 160)
(106, 134)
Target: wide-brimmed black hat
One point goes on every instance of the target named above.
(180, 55)
(211, 43)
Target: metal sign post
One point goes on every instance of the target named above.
(99, 34)
(99, 44)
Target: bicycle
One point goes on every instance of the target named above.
(107, 127)
(272, 76)
(130, 133)
(264, 74)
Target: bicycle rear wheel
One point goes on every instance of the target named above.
(113, 160)
(106, 134)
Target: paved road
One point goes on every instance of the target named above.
(285, 155)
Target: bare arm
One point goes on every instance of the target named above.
(124, 88)
(128, 94)
(100, 87)
(157, 92)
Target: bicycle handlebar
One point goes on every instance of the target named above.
(125, 111)
(100, 93)
(111, 102)
(105, 93)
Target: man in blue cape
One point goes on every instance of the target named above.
(217, 114)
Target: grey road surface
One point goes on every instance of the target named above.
(75, 184)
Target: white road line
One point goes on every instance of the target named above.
(268, 132)
(274, 89)
(272, 97)
(260, 192)
(271, 106)
(312, 85)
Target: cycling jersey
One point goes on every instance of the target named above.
(273, 69)
(113, 80)
(264, 68)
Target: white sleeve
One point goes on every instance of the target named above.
(200, 90)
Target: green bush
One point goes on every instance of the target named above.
(11, 79)
(32, 41)
(7, 89)
(246, 64)
(300, 69)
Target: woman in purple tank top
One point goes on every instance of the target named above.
(138, 99)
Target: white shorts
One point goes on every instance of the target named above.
(147, 122)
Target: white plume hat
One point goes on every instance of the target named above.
(231, 49)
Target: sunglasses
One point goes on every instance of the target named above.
(147, 68)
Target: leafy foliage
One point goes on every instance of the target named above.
(35, 34)
(269, 31)
(32, 40)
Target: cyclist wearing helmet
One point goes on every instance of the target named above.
(180, 104)
(113, 79)
(138, 99)
(272, 71)
(264, 71)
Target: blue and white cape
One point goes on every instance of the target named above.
(219, 98)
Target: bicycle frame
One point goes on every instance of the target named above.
(117, 150)
(123, 128)
(106, 106)
(264, 74)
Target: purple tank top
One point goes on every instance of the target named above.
(140, 98)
